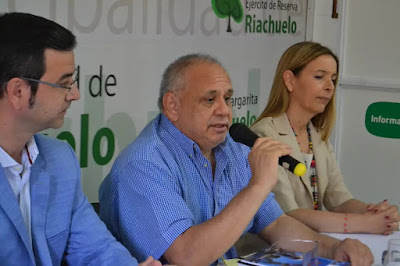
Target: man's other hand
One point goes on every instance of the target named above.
(353, 251)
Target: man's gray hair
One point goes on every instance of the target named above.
(173, 77)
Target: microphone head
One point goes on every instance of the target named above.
(241, 133)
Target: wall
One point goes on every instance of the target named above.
(371, 73)
(125, 45)
(365, 38)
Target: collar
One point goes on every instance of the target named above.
(283, 126)
(30, 150)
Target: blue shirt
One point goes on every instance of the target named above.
(161, 185)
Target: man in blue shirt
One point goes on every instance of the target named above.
(45, 219)
(185, 192)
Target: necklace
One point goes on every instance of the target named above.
(313, 169)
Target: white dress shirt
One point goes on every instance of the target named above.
(18, 177)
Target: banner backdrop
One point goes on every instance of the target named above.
(125, 45)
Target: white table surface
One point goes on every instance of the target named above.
(377, 243)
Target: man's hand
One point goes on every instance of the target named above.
(353, 251)
(263, 160)
(150, 262)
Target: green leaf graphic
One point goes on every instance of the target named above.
(228, 8)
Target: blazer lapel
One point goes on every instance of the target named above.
(9, 203)
(40, 186)
(286, 135)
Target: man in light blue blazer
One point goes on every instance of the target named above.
(45, 219)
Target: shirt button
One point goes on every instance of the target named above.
(205, 165)
(190, 156)
(17, 168)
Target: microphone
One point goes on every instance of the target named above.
(240, 133)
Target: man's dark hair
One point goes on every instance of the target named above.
(24, 39)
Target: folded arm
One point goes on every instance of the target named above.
(332, 222)
(351, 250)
(204, 243)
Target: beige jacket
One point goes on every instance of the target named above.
(293, 192)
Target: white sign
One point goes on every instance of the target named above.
(124, 47)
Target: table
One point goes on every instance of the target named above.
(377, 243)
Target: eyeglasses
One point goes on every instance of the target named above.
(56, 85)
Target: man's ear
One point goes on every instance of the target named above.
(17, 92)
(171, 104)
(288, 79)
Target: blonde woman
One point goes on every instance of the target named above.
(301, 113)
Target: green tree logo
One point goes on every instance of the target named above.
(228, 8)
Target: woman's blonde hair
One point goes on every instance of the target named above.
(295, 58)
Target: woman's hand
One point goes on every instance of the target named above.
(382, 218)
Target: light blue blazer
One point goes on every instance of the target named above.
(65, 227)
